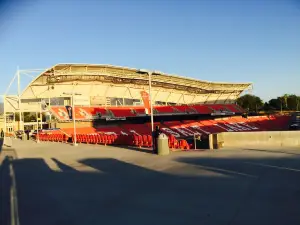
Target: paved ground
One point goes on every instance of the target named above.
(59, 184)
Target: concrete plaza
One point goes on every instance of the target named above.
(58, 184)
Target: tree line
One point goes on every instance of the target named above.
(252, 103)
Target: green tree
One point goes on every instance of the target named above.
(275, 104)
(251, 103)
(285, 100)
(293, 102)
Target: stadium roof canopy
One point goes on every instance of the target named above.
(121, 82)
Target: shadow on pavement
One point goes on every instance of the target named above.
(5, 183)
(273, 196)
(63, 167)
(272, 151)
(143, 149)
(1, 144)
(6, 155)
(213, 191)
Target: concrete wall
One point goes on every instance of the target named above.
(259, 138)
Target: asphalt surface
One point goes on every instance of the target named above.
(6, 156)
(58, 184)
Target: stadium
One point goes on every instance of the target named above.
(108, 104)
(151, 148)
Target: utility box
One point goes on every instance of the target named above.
(163, 145)
(24, 137)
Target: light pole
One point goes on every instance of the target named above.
(73, 114)
(151, 104)
(37, 128)
(150, 73)
(4, 114)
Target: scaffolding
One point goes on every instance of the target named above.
(9, 115)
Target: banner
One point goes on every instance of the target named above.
(146, 100)
(70, 112)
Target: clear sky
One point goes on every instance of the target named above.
(217, 40)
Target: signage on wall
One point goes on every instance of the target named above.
(70, 111)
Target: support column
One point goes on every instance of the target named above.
(19, 96)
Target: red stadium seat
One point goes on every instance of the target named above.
(164, 109)
(139, 111)
(135, 140)
(145, 140)
(150, 143)
(122, 112)
(184, 145)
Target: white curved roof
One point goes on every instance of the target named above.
(123, 82)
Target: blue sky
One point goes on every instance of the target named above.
(234, 41)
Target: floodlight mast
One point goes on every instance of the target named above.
(150, 95)
(73, 115)
(19, 97)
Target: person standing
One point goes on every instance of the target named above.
(2, 133)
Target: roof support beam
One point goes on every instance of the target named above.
(168, 97)
(218, 97)
(207, 98)
(179, 98)
(192, 101)
(154, 97)
(228, 97)
(105, 94)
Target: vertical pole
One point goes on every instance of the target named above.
(150, 96)
(19, 95)
(151, 108)
(74, 123)
(14, 120)
(195, 141)
(37, 122)
(4, 114)
(41, 118)
(49, 107)
(37, 128)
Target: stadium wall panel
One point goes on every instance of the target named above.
(256, 139)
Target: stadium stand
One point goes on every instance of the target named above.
(139, 111)
(122, 112)
(178, 131)
(294, 123)
(89, 113)
(164, 110)
(202, 109)
(108, 106)
(184, 109)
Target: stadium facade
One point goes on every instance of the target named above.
(112, 106)
(106, 85)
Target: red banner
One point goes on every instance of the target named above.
(70, 111)
(146, 100)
